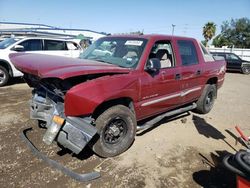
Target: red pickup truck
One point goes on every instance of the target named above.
(97, 100)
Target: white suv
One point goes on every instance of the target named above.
(39, 45)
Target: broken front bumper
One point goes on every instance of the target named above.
(73, 133)
(55, 164)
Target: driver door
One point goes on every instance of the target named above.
(160, 90)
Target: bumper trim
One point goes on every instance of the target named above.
(55, 164)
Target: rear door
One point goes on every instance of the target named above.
(55, 47)
(191, 70)
(160, 91)
(32, 45)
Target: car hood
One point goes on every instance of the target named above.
(46, 66)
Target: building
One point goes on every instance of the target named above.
(8, 29)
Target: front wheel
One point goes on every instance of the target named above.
(206, 100)
(116, 128)
(4, 76)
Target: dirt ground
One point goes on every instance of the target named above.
(183, 152)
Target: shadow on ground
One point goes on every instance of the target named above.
(237, 139)
(84, 154)
(217, 175)
(206, 129)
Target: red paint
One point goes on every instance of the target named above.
(47, 66)
(136, 84)
(241, 134)
(242, 183)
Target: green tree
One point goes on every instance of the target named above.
(234, 33)
(209, 30)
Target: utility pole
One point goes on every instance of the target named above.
(173, 29)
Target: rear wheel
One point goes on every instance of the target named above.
(206, 100)
(4, 76)
(116, 127)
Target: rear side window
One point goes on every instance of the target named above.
(188, 52)
(32, 45)
(54, 45)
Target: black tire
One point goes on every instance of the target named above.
(206, 100)
(116, 128)
(4, 76)
(245, 69)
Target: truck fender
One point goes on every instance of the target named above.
(84, 98)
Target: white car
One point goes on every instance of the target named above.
(38, 45)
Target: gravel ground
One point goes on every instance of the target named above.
(182, 152)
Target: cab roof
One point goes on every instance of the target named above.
(150, 36)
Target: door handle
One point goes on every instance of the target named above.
(163, 74)
(198, 72)
(178, 76)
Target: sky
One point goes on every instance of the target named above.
(113, 16)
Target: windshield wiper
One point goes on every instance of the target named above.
(103, 61)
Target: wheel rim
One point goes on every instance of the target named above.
(246, 70)
(2, 76)
(209, 99)
(114, 131)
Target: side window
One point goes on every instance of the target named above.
(72, 46)
(164, 52)
(32, 45)
(188, 52)
(231, 57)
(54, 45)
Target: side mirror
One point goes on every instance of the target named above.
(153, 65)
(18, 48)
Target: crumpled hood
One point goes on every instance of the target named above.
(46, 66)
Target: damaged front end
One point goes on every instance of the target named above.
(47, 106)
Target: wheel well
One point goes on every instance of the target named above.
(212, 81)
(6, 65)
(126, 101)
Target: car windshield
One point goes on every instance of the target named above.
(121, 51)
(7, 42)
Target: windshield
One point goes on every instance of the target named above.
(120, 51)
(7, 42)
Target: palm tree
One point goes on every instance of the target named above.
(209, 30)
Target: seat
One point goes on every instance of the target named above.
(163, 56)
(121, 51)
